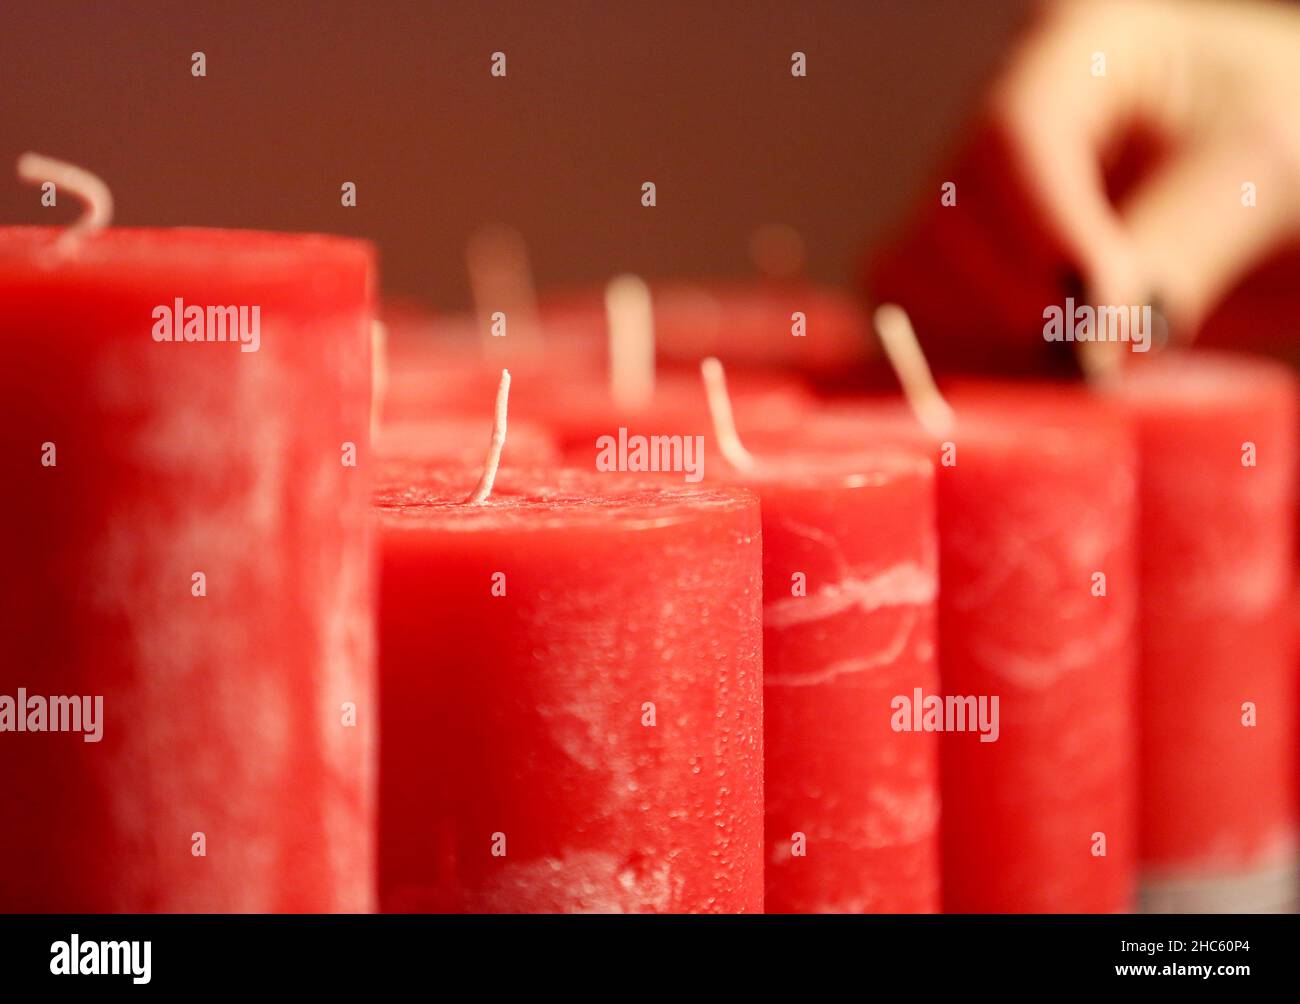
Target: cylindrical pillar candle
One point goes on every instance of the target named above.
(1217, 435)
(1038, 602)
(850, 575)
(571, 695)
(1036, 490)
(187, 572)
(594, 432)
(819, 332)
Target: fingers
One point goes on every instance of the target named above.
(975, 274)
(1202, 221)
(1190, 230)
(1036, 192)
(1071, 88)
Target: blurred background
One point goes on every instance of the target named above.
(599, 97)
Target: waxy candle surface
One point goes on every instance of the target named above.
(460, 441)
(518, 723)
(850, 575)
(441, 366)
(576, 405)
(748, 325)
(595, 433)
(1036, 494)
(223, 712)
(1217, 435)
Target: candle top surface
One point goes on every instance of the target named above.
(1031, 408)
(158, 251)
(684, 393)
(428, 344)
(419, 496)
(801, 463)
(1198, 378)
(995, 415)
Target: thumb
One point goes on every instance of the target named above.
(1200, 222)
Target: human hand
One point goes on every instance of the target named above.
(1128, 152)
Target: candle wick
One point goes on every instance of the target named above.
(724, 421)
(904, 351)
(501, 280)
(1099, 362)
(629, 314)
(378, 374)
(93, 194)
(496, 444)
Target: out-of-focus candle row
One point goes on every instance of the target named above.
(1018, 665)
(1012, 664)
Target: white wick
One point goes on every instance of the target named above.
(502, 281)
(88, 189)
(498, 442)
(378, 374)
(905, 355)
(1099, 361)
(629, 314)
(724, 422)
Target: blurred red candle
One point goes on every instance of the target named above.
(1217, 435)
(459, 441)
(1036, 495)
(817, 332)
(583, 416)
(1037, 604)
(571, 692)
(184, 540)
(570, 396)
(446, 365)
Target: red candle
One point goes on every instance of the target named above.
(415, 333)
(458, 441)
(439, 381)
(185, 542)
(571, 696)
(849, 581)
(1038, 598)
(1217, 435)
(443, 365)
(816, 331)
(581, 413)
(567, 381)
(1035, 501)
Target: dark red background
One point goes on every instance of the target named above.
(600, 97)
